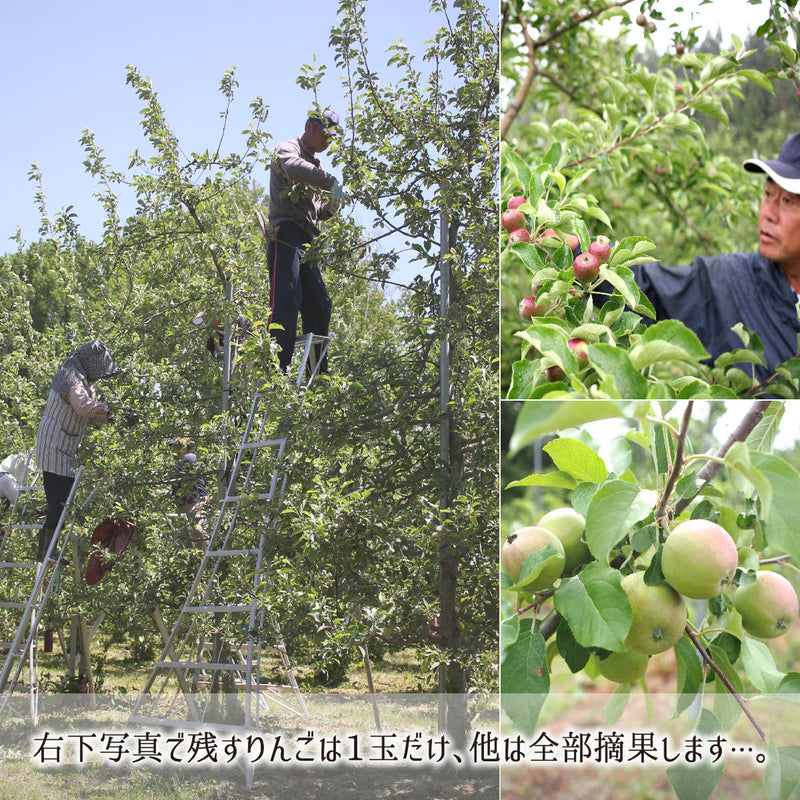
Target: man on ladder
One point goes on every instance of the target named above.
(295, 210)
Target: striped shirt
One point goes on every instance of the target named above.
(62, 427)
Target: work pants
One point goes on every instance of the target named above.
(56, 491)
(296, 286)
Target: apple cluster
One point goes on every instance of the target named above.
(585, 269)
(699, 560)
(513, 221)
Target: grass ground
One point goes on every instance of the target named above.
(122, 679)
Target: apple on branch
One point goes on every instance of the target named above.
(626, 667)
(525, 543)
(580, 349)
(567, 524)
(659, 615)
(513, 220)
(699, 559)
(528, 308)
(519, 235)
(601, 249)
(768, 606)
(586, 267)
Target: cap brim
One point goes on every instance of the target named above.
(790, 184)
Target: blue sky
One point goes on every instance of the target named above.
(64, 68)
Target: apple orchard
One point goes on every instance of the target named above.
(645, 549)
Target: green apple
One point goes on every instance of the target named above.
(659, 615)
(567, 524)
(699, 559)
(527, 543)
(768, 606)
(623, 667)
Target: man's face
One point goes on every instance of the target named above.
(316, 137)
(779, 226)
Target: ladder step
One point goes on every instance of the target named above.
(216, 609)
(236, 498)
(25, 527)
(7, 604)
(253, 551)
(201, 665)
(17, 565)
(262, 443)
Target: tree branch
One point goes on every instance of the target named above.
(677, 464)
(704, 654)
(753, 416)
(524, 88)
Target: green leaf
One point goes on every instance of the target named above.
(726, 709)
(576, 656)
(695, 781)
(790, 687)
(667, 340)
(782, 517)
(738, 458)
(614, 509)
(623, 283)
(782, 773)
(517, 163)
(524, 374)
(760, 666)
(577, 460)
(534, 564)
(555, 479)
(711, 106)
(530, 256)
(537, 419)
(614, 364)
(758, 78)
(596, 607)
(689, 672)
(551, 341)
(524, 679)
(509, 632)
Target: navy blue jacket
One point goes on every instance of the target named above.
(713, 293)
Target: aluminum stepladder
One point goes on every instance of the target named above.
(216, 644)
(26, 616)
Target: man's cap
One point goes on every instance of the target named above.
(785, 169)
(327, 118)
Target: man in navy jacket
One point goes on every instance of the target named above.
(760, 290)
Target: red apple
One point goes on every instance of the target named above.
(601, 247)
(586, 267)
(641, 20)
(515, 202)
(528, 308)
(580, 349)
(513, 220)
(519, 235)
(571, 239)
(554, 373)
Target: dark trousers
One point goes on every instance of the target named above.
(296, 286)
(56, 491)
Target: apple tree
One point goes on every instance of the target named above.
(380, 533)
(652, 522)
(628, 156)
